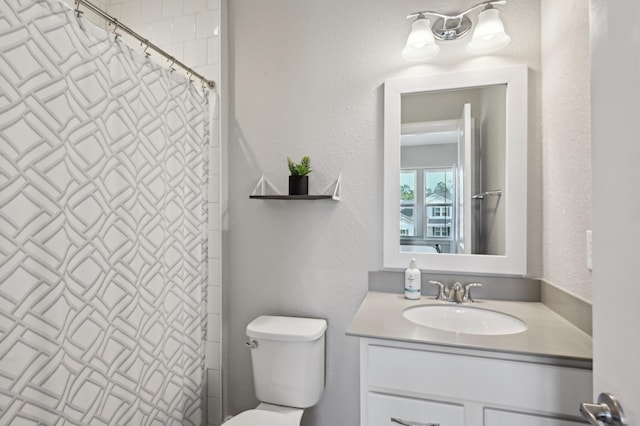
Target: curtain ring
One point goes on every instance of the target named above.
(78, 11)
(115, 24)
(146, 43)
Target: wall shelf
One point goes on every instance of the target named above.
(264, 190)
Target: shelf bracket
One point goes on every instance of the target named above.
(334, 189)
(264, 187)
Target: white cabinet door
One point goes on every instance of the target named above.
(504, 418)
(384, 407)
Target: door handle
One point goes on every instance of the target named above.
(608, 411)
(408, 423)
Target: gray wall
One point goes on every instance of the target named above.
(307, 78)
(566, 145)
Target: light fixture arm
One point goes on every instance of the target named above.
(459, 15)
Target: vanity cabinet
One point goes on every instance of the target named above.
(453, 386)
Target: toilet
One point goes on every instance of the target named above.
(287, 355)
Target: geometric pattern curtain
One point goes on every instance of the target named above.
(103, 168)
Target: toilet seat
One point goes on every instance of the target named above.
(260, 418)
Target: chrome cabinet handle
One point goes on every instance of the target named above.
(608, 411)
(408, 423)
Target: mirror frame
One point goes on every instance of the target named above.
(514, 261)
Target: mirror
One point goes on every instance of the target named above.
(455, 171)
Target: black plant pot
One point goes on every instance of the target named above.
(298, 185)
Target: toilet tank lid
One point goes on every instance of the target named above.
(292, 329)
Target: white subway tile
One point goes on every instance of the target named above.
(214, 271)
(214, 190)
(114, 10)
(214, 217)
(214, 133)
(212, 355)
(213, 280)
(214, 411)
(214, 244)
(172, 8)
(195, 52)
(194, 6)
(207, 24)
(213, 4)
(213, 383)
(184, 28)
(213, 327)
(162, 32)
(213, 50)
(150, 10)
(130, 12)
(213, 324)
(98, 3)
(213, 300)
(214, 161)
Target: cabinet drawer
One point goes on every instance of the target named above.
(504, 418)
(497, 382)
(381, 408)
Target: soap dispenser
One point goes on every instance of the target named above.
(412, 281)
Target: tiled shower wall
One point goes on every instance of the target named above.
(189, 30)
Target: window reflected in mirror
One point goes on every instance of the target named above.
(427, 210)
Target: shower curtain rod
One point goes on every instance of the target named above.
(143, 41)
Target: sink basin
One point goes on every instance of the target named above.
(464, 319)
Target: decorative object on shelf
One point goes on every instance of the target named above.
(488, 36)
(264, 190)
(299, 181)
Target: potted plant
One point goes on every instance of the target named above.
(299, 181)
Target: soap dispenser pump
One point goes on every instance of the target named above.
(412, 281)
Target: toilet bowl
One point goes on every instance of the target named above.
(287, 355)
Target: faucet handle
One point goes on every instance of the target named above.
(441, 289)
(467, 291)
(456, 293)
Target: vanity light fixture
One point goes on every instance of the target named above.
(488, 36)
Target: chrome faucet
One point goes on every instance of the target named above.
(457, 293)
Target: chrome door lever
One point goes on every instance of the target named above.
(407, 423)
(608, 411)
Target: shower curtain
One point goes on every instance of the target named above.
(103, 171)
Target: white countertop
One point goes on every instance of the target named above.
(548, 334)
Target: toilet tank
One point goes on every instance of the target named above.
(288, 359)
